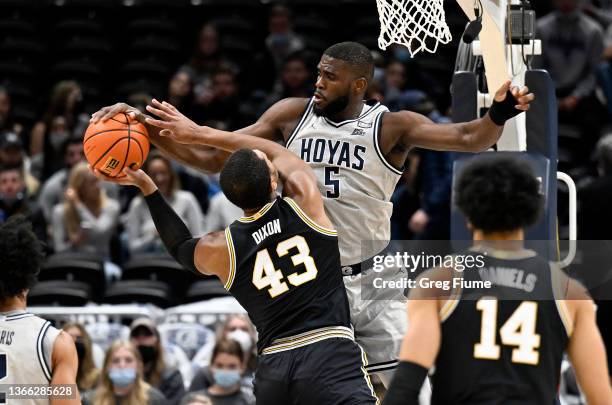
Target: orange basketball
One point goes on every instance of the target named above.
(117, 143)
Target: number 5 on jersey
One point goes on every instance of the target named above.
(266, 275)
(331, 181)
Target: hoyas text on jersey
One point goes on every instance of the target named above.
(339, 153)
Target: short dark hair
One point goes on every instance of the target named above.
(71, 140)
(245, 180)
(356, 55)
(227, 346)
(498, 194)
(12, 167)
(21, 256)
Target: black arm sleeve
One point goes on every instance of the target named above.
(173, 231)
(406, 384)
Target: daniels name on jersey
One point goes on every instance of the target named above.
(354, 178)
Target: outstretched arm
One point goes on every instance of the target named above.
(299, 180)
(270, 125)
(410, 129)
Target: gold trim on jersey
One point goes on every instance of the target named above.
(451, 304)
(366, 375)
(258, 214)
(307, 338)
(565, 316)
(232, 259)
(308, 221)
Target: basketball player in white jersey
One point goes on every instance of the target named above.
(357, 150)
(31, 350)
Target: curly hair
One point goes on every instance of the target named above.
(21, 255)
(498, 193)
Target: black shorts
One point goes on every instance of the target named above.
(329, 372)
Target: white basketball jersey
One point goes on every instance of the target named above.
(354, 178)
(26, 345)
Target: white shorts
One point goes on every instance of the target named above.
(379, 318)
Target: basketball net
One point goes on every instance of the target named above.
(419, 25)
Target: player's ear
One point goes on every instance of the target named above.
(273, 184)
(360, 85)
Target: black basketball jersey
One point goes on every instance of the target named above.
(503, 344)
(285, 271)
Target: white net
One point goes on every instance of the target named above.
(419, 25)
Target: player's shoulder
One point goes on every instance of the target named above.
(402, 121)
(63, 346)
(429, 284)
(290, 107)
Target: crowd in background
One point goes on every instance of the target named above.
(141, 365)
(43, 173)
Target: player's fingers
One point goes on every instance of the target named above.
(165, 132)
(501, 93)
(522, 107)
(524, 90)
(160, 113)
(158, 123)
(95, 117)
(170, 107)
(526, 99)
(162, 107)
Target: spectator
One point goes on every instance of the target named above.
(6, 119)
(195, 399)
(12, 154)
(227, 367)
(572, 45)
(296, 79)
(145, 336)
(281, 40)
(240, 329)
(87, 374)
(222, 103)
(595, 218)
(122, 380)
(221, 213)
(180, 91)
(14, 200)
(600, 10)
(87, 219)
(207, 57)
(53, 190)
(141, 232)
(60, 118)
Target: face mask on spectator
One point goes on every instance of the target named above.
(80, 349)
(226, 378)
(122, 377)
(147, 353)
(243, 338)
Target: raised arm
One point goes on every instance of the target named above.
(299, 180)
(409, 129)
(271, 125)
(205, 255)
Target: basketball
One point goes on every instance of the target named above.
(116, 143)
